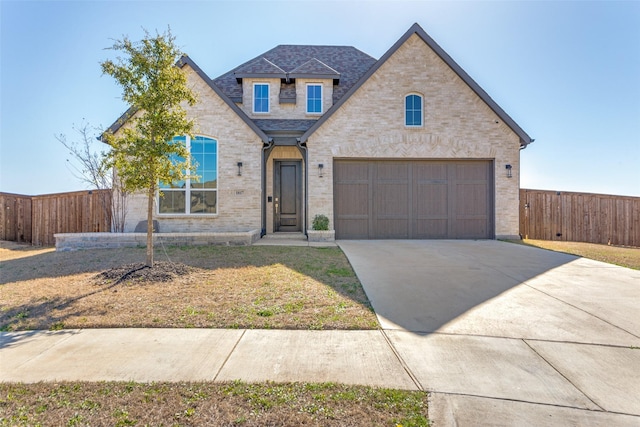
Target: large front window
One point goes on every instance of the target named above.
(261, 98)
(199, 194)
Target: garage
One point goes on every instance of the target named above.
(413, 199)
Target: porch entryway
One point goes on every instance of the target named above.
(287, 201)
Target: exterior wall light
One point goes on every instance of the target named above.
(320, 169)
(508, 167)
(239, 168)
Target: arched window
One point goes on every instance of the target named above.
(413, 110)
(194, 196)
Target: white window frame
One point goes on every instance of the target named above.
(321, 98)
(187, 186)
(404, 106)
(268, 97)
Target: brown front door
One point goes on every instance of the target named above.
(287, 203)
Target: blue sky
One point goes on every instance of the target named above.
(567, 72)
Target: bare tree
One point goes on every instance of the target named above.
(88, 165)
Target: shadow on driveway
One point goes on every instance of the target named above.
(495, 288)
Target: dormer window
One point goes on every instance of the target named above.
(314, 99)
(413, 110)
(260, 97)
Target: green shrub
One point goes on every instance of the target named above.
(320, 222)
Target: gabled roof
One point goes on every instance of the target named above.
(185, 60)
(315, 68)
(525, 139)
(259, 67)
(352, 66)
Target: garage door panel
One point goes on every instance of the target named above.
(392, 171)
(351, 171)
(353, 199)
(471, 199)
(467, 171)
(353, 228)
(431, 228)
(392, 199)
(392, 228)
(418, 199)
(471, 229)
(430, 200)
(429, 171)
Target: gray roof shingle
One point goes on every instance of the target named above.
(259, 67)
(314, 67)
(295, 125)
(348, 62)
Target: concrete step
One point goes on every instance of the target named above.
(286, 236)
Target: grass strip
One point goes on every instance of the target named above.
(202, 404)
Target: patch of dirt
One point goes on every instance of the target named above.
(161, 271)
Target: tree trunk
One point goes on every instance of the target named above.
(151, 197)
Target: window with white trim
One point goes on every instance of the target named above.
(314, 99)
(413, 110)
(199, 194)
(261, 97)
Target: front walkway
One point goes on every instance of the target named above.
(291, 239)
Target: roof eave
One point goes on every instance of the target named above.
(331, 76)
(226, 99)
(240, 76)
(131, 111)
(186, 60)
(525, 139)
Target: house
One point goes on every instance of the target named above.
(408, 146)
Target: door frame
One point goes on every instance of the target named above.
(277, 164)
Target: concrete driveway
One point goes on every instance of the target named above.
(504, 334)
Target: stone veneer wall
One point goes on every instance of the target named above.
(457, 125)
(76, 241)
(239, 197)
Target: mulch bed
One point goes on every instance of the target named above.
(161, 271)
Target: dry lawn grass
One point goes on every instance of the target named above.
(624, 256)
(223, 287)
(207, 404)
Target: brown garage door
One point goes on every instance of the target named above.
(406, 199)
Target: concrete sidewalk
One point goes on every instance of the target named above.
(352, 357)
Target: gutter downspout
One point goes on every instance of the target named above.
(305, 156)
(265, 148)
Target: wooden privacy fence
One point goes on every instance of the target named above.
(35, 219)
(580, 217)
(15, 217)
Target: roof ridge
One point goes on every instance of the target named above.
(301, 66)
(257, 65)
(275, 65)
